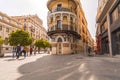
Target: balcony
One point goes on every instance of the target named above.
(65, 29)
(61, 9)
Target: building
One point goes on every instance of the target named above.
(31, 23)
(108, 27)
(7, 25)
(67, 26)
(34, 25)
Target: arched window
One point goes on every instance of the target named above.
(59, 40)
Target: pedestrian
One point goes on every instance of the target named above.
(24, 51)
(89, 50)
(13, 52)
(18, 51)
(31, 49)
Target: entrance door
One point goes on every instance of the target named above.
(59, 46)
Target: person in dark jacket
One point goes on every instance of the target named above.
(18, 50)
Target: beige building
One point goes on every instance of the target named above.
(34, 25)
(67, 26)
(31, 23)
(7, 25)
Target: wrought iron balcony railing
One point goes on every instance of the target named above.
(61, 9)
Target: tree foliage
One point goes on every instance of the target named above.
(20, 37)
(41, 43)
(1, 41)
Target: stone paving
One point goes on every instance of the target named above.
(60, 67)
(9, 66)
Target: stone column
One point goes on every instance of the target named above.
(69, 22)
(54, 17)
(109, 35)
(61, 18)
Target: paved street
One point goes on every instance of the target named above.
(59, 67)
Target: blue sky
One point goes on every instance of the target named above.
(26, 7)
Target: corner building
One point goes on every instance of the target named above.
(64, 28)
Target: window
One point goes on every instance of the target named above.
(59, 40)
(0, 28)
(83, 21)
(7, 29)
(71, 21)
(6, 41)
(104, 26)
(0, 17)
(24, 25)
(59, 7)
(115, 13)
(59, 24)
(119, 9)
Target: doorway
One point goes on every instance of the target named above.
(59, 46)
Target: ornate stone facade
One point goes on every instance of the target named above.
(7, 25)
(65, 21)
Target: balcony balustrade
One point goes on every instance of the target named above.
(64, 29)
(61, 9)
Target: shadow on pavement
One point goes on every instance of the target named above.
(54, 67)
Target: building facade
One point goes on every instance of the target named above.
(67, 26)
(34, 25)
(31, 23)
(7, 25)
(108, 27)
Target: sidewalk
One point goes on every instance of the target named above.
(9, 66)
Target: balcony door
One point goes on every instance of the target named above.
(59, 24)
(59, 7)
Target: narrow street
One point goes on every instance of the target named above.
(59, 67)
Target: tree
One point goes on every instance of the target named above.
(1, 42)
(41, 43)
(20, 37)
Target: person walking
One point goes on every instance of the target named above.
(89, 50)
(24, 51)
(13, 52)
(31, 49)
(18, 50)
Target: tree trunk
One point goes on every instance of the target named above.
(1, 53)
(38, 50)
